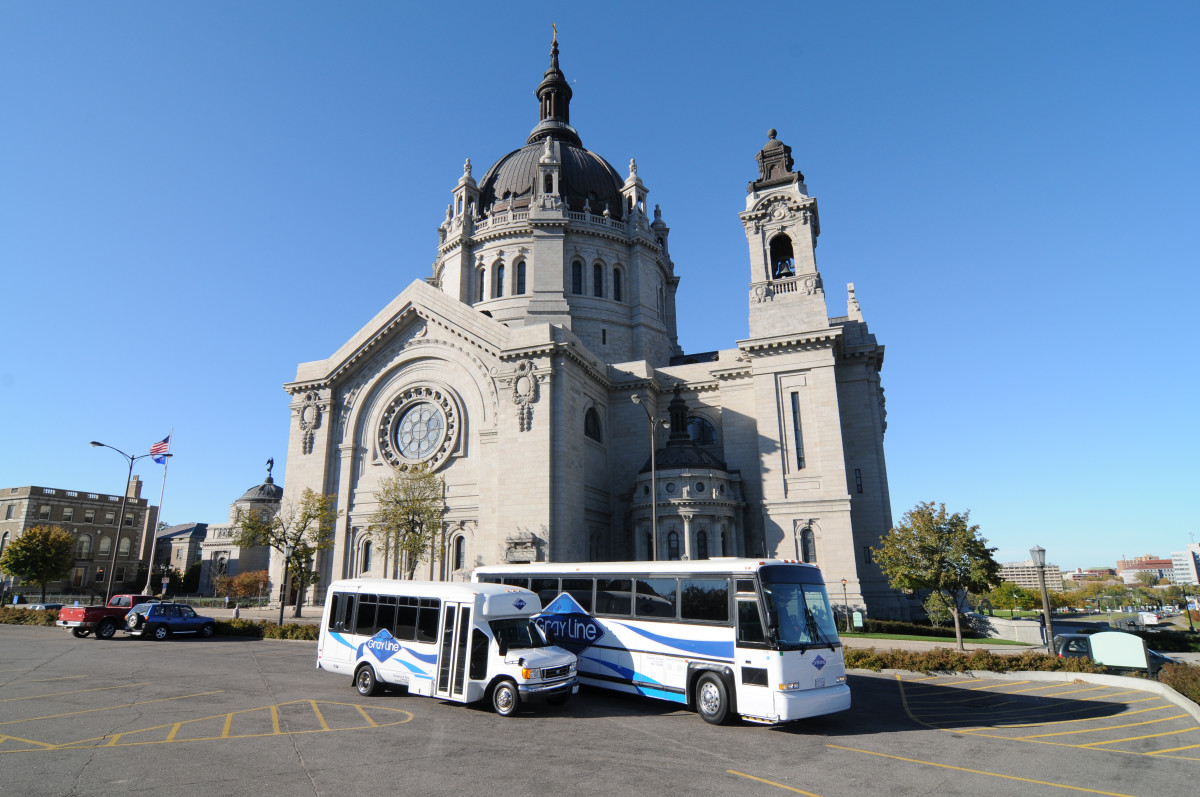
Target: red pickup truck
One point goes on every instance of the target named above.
(103, 620)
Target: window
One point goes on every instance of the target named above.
(364, 622)
(750, 627)
(89, 516)
(576, 277)
(597, 280)
(520, 277)
(796, 431)
(498, 291)
(123, 546)
(858, 480)
(548, 184)
(105, 546)
(612, 596)
(99, 575)
(702, 544)
(83, 546)
(78, 577)
(580, 589)
(460, 553)
(546, 588)
(68, 514)
(44, 512)
(673, 545)
(867, 555)
(656, 597)
(129, 520)
(591, 424)
(119, 575)
(704, 599)
(482, 284)
(783, 263)
(701, 431)
(110, 518)
(617, 284)
(366, 558)
(808, 546)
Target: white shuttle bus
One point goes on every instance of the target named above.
(727, 637)
(459, 642)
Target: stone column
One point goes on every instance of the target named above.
(687, 535)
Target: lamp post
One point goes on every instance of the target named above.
(846, 605)
(1039, 560)
(1186, 609)
(636, 399)
(121, 519)
(283, 590)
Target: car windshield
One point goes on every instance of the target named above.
(801, 613)
(518, 633)
(141, 608)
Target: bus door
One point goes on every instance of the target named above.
(752, 661)
(452, 650)
(338, 649)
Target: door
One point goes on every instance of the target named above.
(752, 661)
(452, 649)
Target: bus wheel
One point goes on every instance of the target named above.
(365, 681)
(712, 699)
(505, 698)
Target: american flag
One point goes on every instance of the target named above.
(161, 447)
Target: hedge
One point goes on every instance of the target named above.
(1183, 678)
(18, 616)
(950, 660)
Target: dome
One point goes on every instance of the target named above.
(584, 178)
(684, 457)
(267, 492)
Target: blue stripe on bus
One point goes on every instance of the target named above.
(428, 658)
(722, 650)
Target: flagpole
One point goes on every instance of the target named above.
(154, 531)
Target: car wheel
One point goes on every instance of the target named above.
(80, 632)
(160, 632)
(505, 698)
(207, 630)
(106, 629)
(365, 681)
(712, 699)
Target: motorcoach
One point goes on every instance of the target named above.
(459, 642)
(727, 637)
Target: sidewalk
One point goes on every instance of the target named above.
(311, 615)
(922, 645)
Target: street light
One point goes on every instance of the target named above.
(1039, 560)
(636, 399)
(846, 605)
(121, 520)
(287, 556)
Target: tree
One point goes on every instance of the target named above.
(305, 528)
(936, 551)
(1147, 578)
(40, 555)
(243, 585)
(408, 519)
(936, 609)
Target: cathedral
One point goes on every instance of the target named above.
(538, 372)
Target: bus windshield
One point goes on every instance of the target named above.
(800, 613)
(517, 633)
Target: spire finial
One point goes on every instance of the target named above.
(555, 27)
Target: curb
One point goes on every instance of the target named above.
(1141, 684)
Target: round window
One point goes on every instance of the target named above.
(671, 487)
(700, 487)
(421, 430)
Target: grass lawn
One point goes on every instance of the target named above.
(946, 639)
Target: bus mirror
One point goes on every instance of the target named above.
(503, 644)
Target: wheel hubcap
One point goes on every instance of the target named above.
(710, 698)
(504, 700)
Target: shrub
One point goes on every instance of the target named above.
(261, 629)
(1169, 641)
(912, 629)
(1183, 678)
(950, 660)
(18, 616)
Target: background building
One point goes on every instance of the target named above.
(219, 556)
(92, 518)
(1025, 575)
(512, 372)
(179, 546)
(1185, 565)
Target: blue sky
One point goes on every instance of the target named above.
(196, 197)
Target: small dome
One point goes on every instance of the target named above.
(585, 177)
(267, 492)
(682, 457)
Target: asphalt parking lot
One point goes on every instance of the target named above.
(232, 716)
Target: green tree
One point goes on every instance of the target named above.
(940, 552)
(408, 519)
(937, 609)
(40, 555)
(1147, 578)
(305, 528)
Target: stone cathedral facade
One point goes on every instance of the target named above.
(513, 369)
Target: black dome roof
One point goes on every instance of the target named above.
(683, 457)
(585, 177)
(268, 491)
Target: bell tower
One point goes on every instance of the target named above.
(781, 223)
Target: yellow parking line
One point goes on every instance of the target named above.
(367, 717)
(980, 772)
(228, 724)
(275, 717)
(174, 730)
(1076, 691)
(1084, 719)
(770, 782)
(45, 680)
(107, 708)
(1176, 750)
(1104, 728)
(1136, 738)
(997, 686)
(73, 692)
(320, 716)
(27, 741)
(1033, 689)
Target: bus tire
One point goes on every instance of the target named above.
(505, 698)
(712, 698)
(365, 681)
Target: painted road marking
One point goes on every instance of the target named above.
(107, 708)
(770, 783)
(74, 692)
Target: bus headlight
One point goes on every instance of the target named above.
(841, 679)
(789, 687)
(530, 673)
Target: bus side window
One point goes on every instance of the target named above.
(406, 619)
(581, 590)
(427, 622)
(385, 615)
(705, 599)
(479, 655)
(490, 580)
(546, 588)
(749, 623)
(514, 581)
(612, 596)
(347, 621)
(656, 597)
(335, 604)
(365, 622)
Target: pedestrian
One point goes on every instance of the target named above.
(226, 601)
(236, 614)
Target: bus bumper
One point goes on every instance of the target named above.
(811, 702)
(562, 688)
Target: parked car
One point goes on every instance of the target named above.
(161, 620)
(45, 607)
(1082, 646)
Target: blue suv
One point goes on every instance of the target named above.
(161, 620)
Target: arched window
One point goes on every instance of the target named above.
(548, 185)
(520, 277)
(576, 276)
(482, 284)
(591, 425)
(498, 291)
(808, 547)
(673, 545)
(366, 558)
(701, 431)
(105, 546)
(702, 544)
(783, 263)
(3, 542)
(460, 553)
(597, 280)
(83, 547)
(617, 284)
(123, 546)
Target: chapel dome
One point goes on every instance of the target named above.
(268, 491)
(585, 178)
